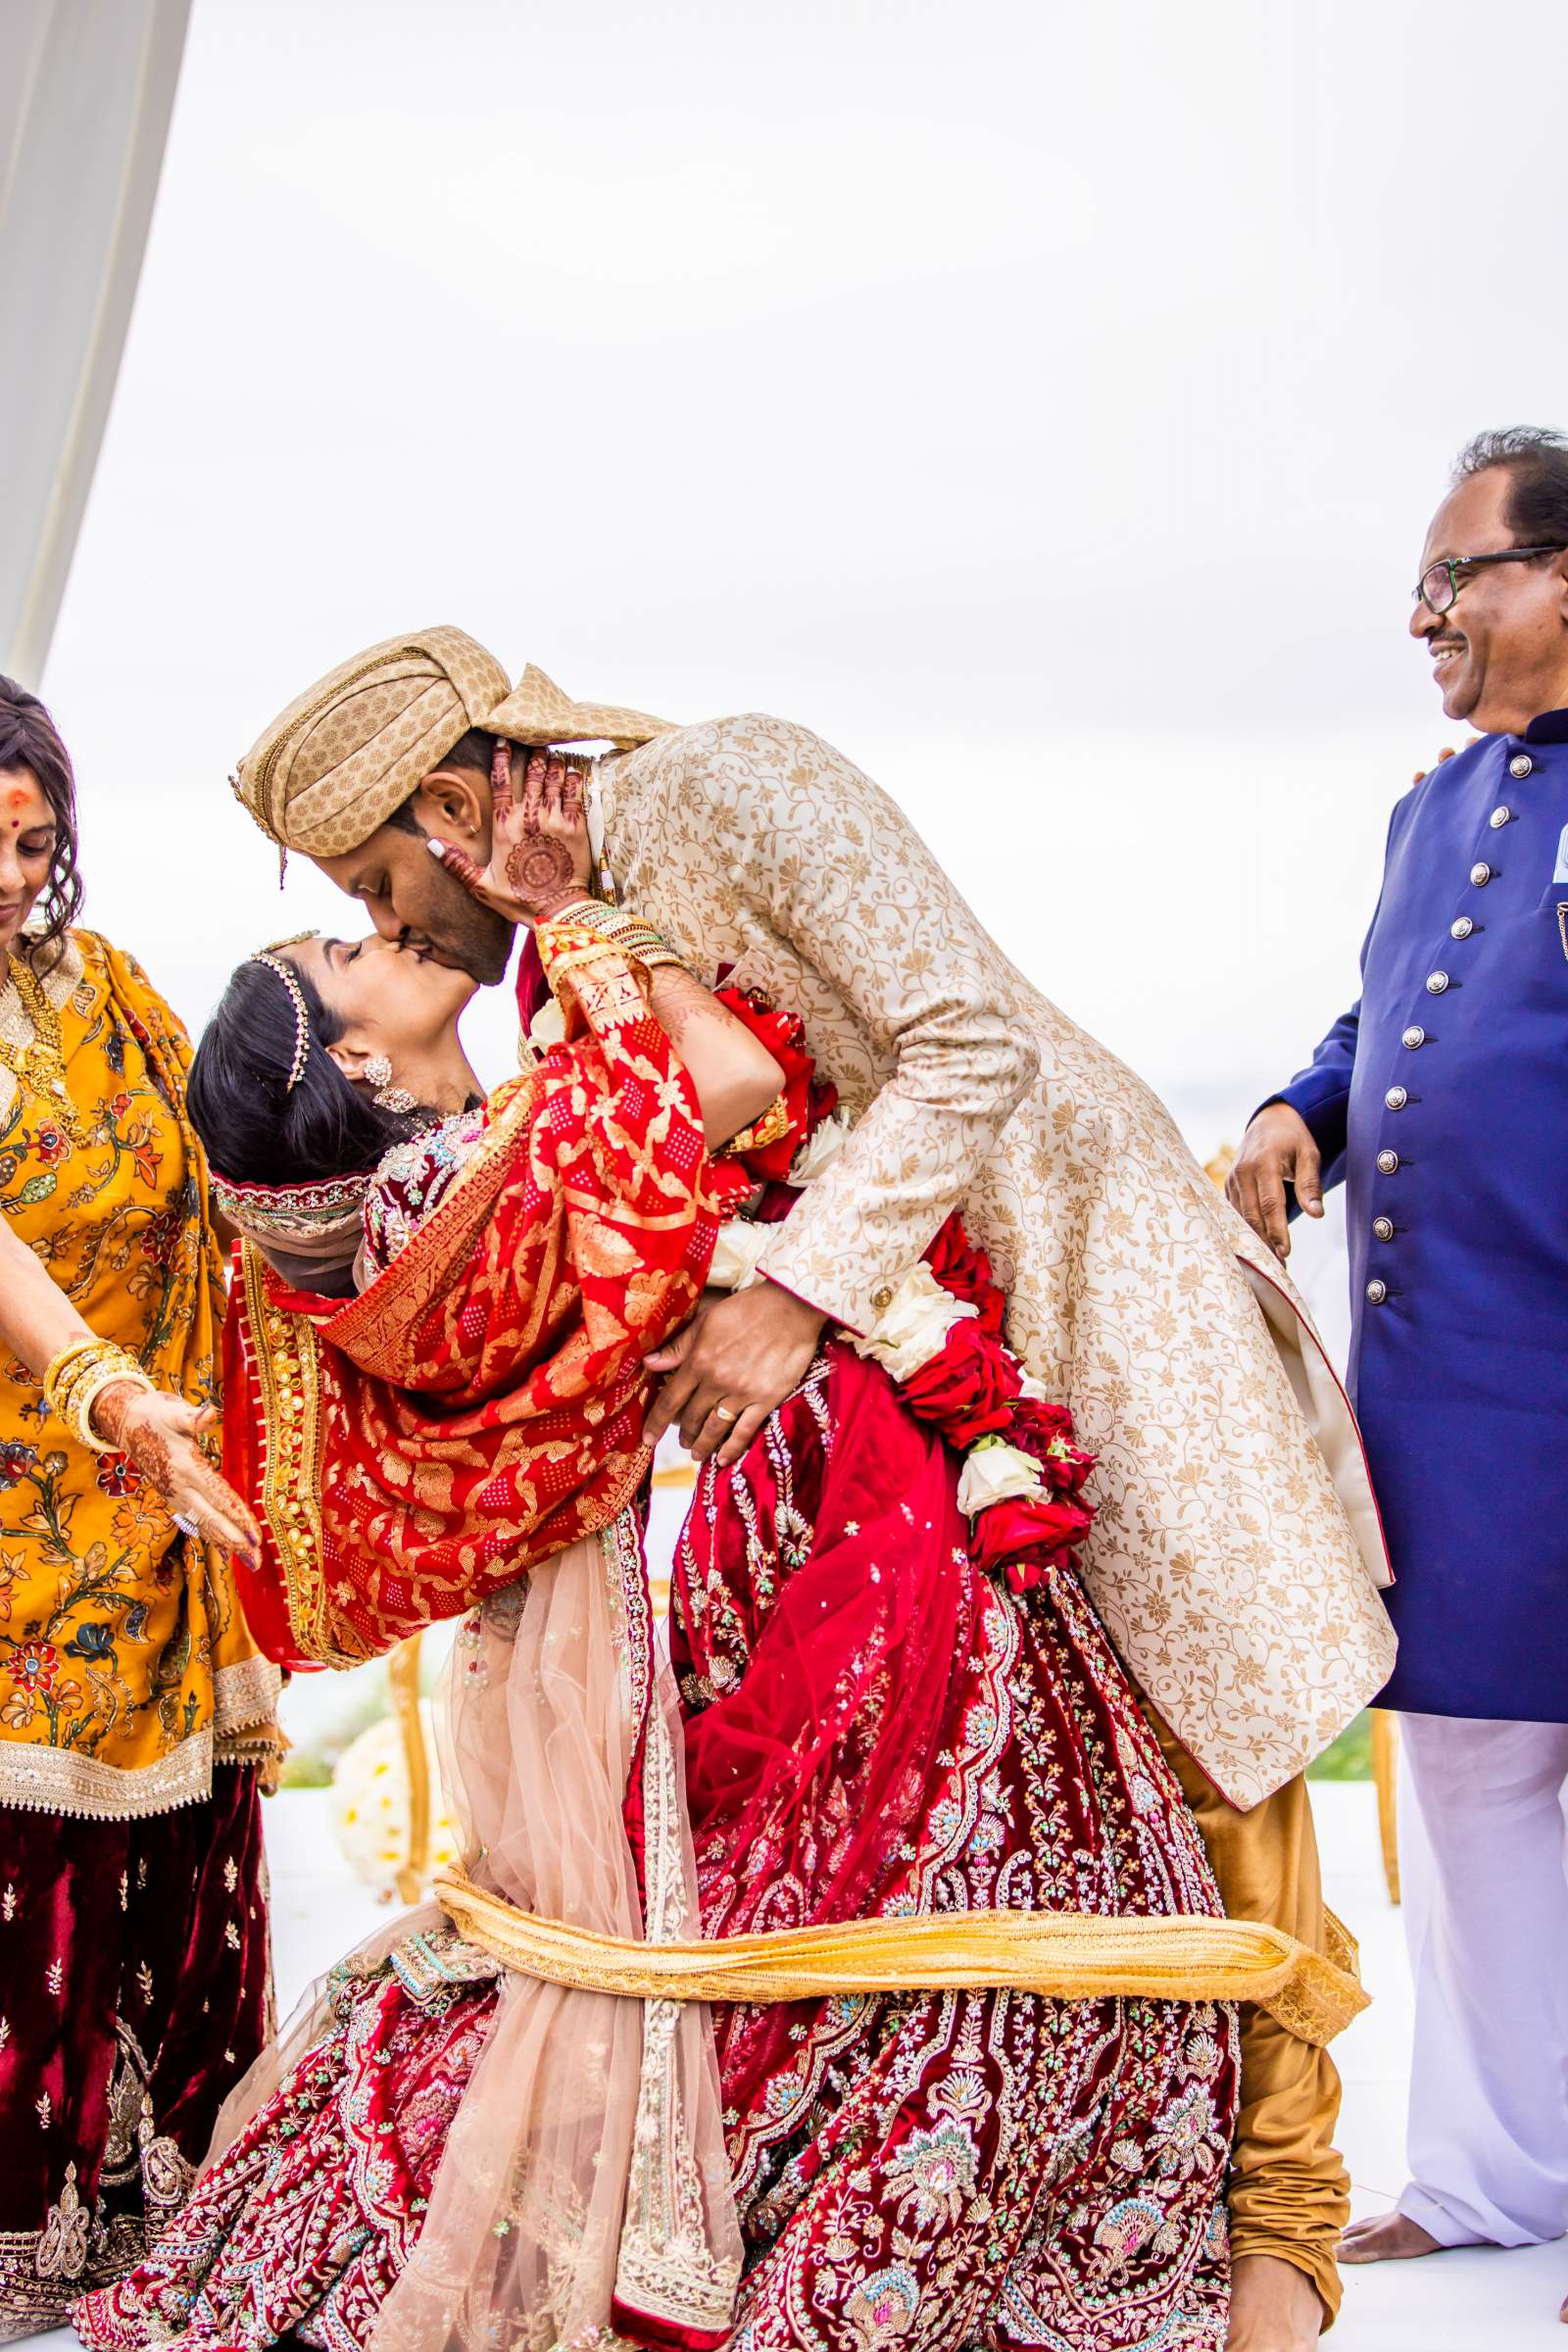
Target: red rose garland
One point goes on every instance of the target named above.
(939, 1340)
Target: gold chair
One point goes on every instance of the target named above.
(403, 1686)
(1385, 1777)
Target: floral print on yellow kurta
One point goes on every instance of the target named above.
(124, 1663)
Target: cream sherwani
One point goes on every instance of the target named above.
(1238, 1584)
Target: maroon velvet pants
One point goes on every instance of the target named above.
(135, 1989)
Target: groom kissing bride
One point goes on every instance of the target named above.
(1234, 1574)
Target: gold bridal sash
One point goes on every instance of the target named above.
(1068, 1955)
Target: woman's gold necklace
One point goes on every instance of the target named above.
(40, 1066)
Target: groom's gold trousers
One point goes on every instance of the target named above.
(1290, 2193)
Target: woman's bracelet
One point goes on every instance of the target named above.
(79, 1377)
(571, 936)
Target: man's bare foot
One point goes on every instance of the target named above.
(1274, 2307)
(1390, 2238)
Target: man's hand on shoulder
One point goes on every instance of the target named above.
(736, 1359)
(1277, 1150)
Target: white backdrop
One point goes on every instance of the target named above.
(1046, 402)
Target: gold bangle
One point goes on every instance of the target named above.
(87, 1397)
(78, 1378)
(61, 1366)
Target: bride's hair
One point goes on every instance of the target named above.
(257, 1128)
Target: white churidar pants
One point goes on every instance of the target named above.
(1484, 1866)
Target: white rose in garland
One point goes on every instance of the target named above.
(914, 1325)
(548, 1027)
(739, 1246)
(996, 1472)
(821, 1151)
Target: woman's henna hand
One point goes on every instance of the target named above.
(162, 1434)
(540, 859)
(540, 873)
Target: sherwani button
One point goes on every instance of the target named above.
(1500, 816)
(1376, 1292)
(1461, 927)
(1414, 1036)
(1396, 1098)
(1388, 1161)
(1383, 1227)
(1437, 982)
(1520, 765)
(1481, 874)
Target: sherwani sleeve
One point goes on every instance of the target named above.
(837, 870)
(1321, 1093)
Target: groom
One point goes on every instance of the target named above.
(1238, 1585)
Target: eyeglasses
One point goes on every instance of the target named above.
(1440, 583)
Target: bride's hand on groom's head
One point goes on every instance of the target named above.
(540, 859)
(162, 1437)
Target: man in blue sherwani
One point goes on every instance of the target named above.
(1441, 1101)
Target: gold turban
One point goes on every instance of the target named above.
(350, 748)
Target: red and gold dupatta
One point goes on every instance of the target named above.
(480, 1406)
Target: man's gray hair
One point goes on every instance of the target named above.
(1536, 460)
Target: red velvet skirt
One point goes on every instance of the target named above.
(872, 1728)
(135, 1989)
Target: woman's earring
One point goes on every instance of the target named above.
(387, 1097)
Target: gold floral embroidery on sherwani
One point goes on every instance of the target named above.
(126, 1667)
(1237, 1584)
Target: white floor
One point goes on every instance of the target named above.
(1460, 2302)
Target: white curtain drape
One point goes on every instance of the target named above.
(86, 88)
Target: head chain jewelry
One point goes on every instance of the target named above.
(302, 1023)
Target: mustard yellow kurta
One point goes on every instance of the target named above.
(125, 1662)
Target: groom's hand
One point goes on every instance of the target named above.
(732, 1364)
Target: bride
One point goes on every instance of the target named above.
(748, 2017)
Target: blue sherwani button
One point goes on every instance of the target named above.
(1500, 816)
(1437, 982)
(1481, 874)
(1388, 1161)
(1376, 1292)
(1396, 1098)
(1521, 765)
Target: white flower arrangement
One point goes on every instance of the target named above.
(913, 1326)
(996, 1472)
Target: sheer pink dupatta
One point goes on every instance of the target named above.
(584, 2189)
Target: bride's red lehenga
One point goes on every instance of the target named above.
(873, 1725)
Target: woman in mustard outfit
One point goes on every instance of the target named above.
(136, 1713)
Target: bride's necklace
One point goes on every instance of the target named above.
(40, 1064)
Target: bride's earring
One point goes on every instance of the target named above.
(387, 1097)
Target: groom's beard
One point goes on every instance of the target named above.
(461, 933)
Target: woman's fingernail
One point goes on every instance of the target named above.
(437, 849)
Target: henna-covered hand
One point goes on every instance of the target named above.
(540, 859)
(162, 1434)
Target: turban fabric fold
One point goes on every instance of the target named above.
(349, 750)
